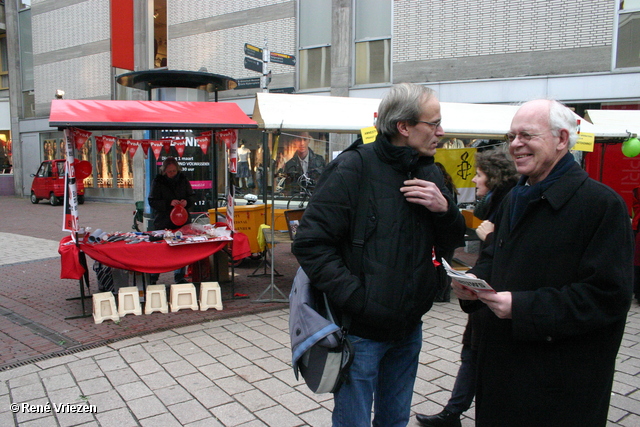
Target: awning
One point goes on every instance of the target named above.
(349, 115)
(147, 115)
(616, 123)
(313, 113)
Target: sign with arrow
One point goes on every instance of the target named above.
(252, 51)
(282, 58)
(252, 64)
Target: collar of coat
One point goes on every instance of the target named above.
(403, 159)
(562, 190)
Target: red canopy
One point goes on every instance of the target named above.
(105, 115)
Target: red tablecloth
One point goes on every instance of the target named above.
(153, 257)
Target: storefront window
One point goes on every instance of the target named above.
(6, 162)
(302, 155)
(628, 48)
(86, 154)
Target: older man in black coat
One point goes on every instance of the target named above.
(562, 266)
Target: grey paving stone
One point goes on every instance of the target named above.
(172, 395)
(162, 420)
(117, 418)
(146, 407)
(134, 390)
(278, 415)
(94, 386)
(158, 380)
(189, 411)
(232, 414)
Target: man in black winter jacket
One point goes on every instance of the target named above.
(409, 212)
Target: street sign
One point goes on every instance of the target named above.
(248, 83)
(253, 51)
(283, 90)
(252, 64)
(283, 58)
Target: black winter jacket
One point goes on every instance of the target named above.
(163, 191)
(398, 281)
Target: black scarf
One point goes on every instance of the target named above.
(522, 194)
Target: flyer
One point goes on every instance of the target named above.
(471, 283)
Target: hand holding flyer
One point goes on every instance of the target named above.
(474, 284)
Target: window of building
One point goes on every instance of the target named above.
(160, 33)
(4, 61)
(627, 54)
(315, 43)
(26, 63)
(373, 41)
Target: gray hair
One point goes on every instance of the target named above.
(561, 117)
(402, 102)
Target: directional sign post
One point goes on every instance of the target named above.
(257, 59)
(248, 83)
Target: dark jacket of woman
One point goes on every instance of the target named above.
(163, 191)
(568, 263)
(398, 282)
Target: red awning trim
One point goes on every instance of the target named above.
(147, 115)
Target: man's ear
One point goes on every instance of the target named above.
(564, 139)
(402, 127)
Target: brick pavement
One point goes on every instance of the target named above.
(227, 368)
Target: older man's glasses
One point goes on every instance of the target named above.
(524, 136)
(434, 124)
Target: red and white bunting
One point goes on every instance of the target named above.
(124, 145)
(108, 142)
(156, 147)
(203, 141)
(80, 137)
(180, 144)
(145, 147)
(99, 143)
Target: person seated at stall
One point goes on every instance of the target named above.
(170, 188)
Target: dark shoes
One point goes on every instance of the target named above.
(443, 419)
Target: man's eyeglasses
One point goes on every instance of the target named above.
(524, 136)
(434, 124)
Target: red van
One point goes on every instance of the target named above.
(48, 183)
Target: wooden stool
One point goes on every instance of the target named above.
(104, 307)
(156, 299)
(210, 296)
(183, 296)
(129, 301)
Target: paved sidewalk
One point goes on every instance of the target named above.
(227, 368)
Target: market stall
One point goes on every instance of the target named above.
(78, 117)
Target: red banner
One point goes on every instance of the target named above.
(80, 137)
(107, 142)
(145, 147)
(180, 144)
(132, 147)
(156, 147)
(99, 143)
(203, 142)
(124, 145)
(166, 143)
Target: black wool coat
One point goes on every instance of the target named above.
(163, 191)
(568, 263)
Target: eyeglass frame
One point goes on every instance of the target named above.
(436, 125)
(523, 136)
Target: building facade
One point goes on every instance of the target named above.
(582, 52)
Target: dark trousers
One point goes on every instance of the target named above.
(464, 389)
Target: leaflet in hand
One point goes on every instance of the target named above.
(471, 283)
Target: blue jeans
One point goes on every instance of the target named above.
(383, 372)
(464, 388)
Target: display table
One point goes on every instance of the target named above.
(143, 257)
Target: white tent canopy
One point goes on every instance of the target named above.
(337, 114)
(615, 123)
